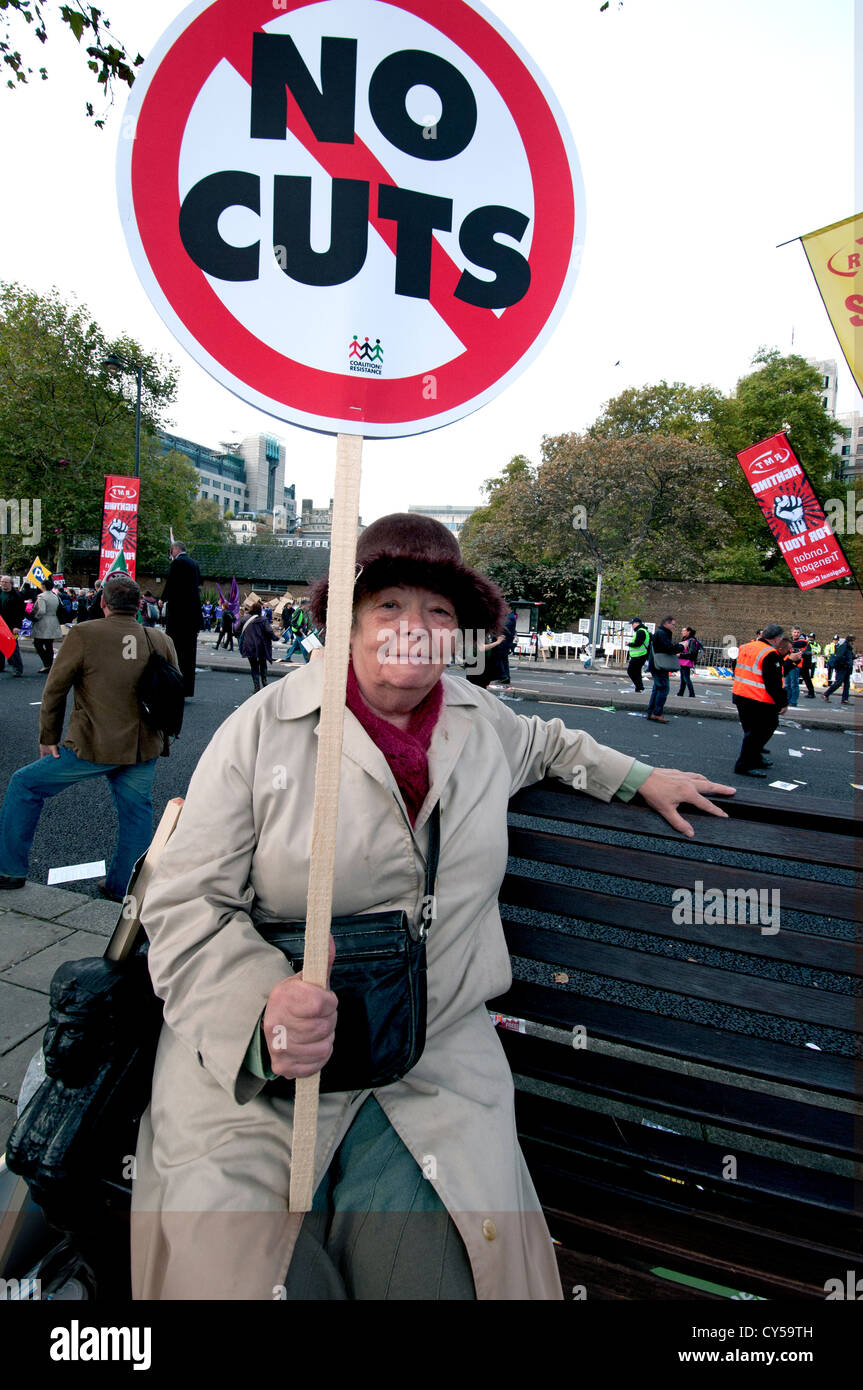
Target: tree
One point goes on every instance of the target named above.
(678, 409)
(207, 525)
(107, 58)
(64, 423)
(782, 394)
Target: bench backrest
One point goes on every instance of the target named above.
(686, 1082)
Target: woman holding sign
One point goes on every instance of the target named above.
(421, 1188)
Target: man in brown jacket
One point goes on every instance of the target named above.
(107, 737)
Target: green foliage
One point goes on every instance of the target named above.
(654, 490)
(207, 526)
(782, 394)
(107, 58)
(678, 409)
(64, 423)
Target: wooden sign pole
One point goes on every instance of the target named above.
(343, 551)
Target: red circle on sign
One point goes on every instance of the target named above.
(492, 345)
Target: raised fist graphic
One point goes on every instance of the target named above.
(789, 510)
(118, 530)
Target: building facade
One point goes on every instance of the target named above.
(241, 478)
(849, 451)
(453, 518)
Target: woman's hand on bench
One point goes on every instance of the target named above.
(667, 788)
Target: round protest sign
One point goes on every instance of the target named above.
(359, 216)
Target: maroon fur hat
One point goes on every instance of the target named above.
(414, 550)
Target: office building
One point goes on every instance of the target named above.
(453, 518)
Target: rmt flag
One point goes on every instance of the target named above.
(793, 513)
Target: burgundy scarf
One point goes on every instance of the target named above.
(406, 750)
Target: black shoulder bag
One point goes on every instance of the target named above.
(161, 692)
(379, 978)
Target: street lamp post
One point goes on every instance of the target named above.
(119, 365)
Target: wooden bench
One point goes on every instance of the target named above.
(675, 1121)
(676, 1124)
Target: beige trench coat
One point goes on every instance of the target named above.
(213, 1161)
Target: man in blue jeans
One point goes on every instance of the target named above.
(661, 644)
(107, 736)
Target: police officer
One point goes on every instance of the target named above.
(639, 645)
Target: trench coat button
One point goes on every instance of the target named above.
(489, 1230)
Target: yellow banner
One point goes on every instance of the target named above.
(37, 574)
(835, 254)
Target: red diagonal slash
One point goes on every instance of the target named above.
(356, 161)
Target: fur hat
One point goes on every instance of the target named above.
(414, 550)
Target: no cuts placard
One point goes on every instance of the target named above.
(359, 216)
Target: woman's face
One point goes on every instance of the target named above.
(401, 641)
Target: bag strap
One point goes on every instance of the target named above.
(432, 856)
(433, 849)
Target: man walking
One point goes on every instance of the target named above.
(639, 645)
(843, 665)
(184, 620)
(294, 637)
(662, 661)
(12, 613)
(107, 737)
(759, 695)
(802, 653)
(226, 629)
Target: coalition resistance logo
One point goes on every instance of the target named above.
(362, 357)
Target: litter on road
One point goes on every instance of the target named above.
(72, 872)
(785, 786)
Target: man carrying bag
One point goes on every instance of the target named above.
(109, 734)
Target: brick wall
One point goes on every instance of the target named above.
(739, 610)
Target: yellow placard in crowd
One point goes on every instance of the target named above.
(835, 254)
(37, 574)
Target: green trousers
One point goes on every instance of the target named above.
(377, 1228)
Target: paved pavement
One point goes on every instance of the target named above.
(40, 927)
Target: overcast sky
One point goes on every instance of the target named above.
(708, 132)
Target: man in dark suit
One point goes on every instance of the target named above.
(12, 612)
(182, 593)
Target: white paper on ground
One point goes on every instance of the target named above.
(71, 872)
(794, 753)
(785, 786)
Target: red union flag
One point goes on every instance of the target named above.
(793, 512)
(119, 546)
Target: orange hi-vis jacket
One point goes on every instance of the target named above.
(748, 680)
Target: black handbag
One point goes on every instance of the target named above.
(161, 693)
(379, 978)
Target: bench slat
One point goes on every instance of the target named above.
(694, 1042)
(733, 989)
(596, 1134)
(689, 1097)
(655, 919)
(799, 894)
(785, 842)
